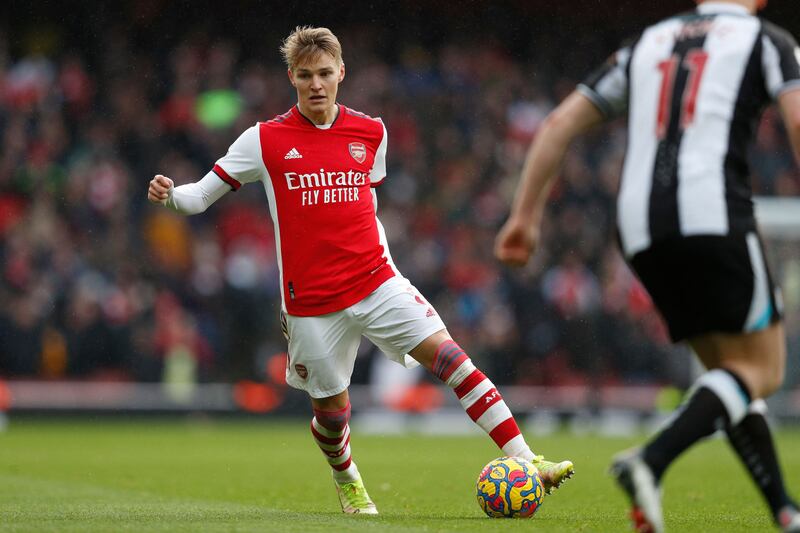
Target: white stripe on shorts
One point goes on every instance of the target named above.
(760, 306)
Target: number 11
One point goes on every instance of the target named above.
(695, 63)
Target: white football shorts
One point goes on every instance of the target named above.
(322, 349)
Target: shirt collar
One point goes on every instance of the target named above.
(722, 7)
(305, 119)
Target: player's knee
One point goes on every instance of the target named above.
(426, 352)
(773, 380)
(764, 380)
(448, 358)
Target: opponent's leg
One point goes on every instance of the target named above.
(719, 399)
(760, 358)
(751, 438)
(752, 441)
(483, 403)
(331, 430)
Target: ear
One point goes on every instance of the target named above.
(341, 72)
(291, 77)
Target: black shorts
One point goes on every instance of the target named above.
(707, 283)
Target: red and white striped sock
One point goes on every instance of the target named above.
(331, 432)
(480, 399)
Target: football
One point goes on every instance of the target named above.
(510, 487)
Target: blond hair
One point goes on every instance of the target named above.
(308, 42)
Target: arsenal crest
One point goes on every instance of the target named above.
(301, 370)
(358, 151)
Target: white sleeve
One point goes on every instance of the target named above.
(607, 86)
(242, 164)
(378, 171)
(194, 198)
(780, 59)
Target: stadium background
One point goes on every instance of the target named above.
(98, 286)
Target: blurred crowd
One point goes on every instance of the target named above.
(95, 283)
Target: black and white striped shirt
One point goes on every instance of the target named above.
(694, 87)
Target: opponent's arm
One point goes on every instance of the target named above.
(189, 199)
(519, 236)
(789, 104)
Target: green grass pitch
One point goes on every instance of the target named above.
(179, 475)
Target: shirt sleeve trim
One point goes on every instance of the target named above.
(791, 85)
(593, 96)
(219, 171)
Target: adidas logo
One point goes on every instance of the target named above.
(293, 154)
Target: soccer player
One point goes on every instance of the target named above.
(319, 164)
(693, 86)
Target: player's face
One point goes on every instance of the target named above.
(317, 81)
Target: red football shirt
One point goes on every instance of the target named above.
(331, 253)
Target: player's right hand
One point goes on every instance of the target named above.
(516, 242)
(158, 192)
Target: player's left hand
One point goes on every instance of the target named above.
(516, 242)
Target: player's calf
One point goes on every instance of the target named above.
(331, 431)
(485, 406)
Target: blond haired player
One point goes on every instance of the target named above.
(319, 164)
